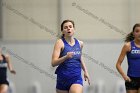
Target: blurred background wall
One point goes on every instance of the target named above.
(29, 29)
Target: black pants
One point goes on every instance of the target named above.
(4, 81)
(134, 84)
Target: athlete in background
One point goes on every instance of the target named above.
(4, 64)
(131, 49)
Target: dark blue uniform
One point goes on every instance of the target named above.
(3, 71)
(69, 72)
(133, 72)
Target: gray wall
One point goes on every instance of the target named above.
(0, 21)
(94, 19)
(29, 20)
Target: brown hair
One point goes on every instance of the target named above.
(65, 21)
(130, 36)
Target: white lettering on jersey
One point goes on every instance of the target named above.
(135, 52)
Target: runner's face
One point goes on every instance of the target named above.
(68, 29)
(136, 33)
